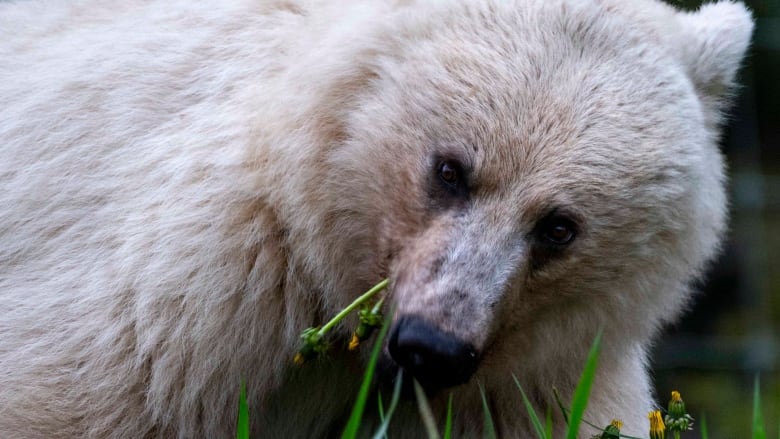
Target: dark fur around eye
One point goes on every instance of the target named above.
(449, 173)
(551, 236)
(448, 183)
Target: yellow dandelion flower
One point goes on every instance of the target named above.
(354, 342)
(657, 428)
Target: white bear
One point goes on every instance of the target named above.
(187, 186)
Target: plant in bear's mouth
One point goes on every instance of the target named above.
(314, 342)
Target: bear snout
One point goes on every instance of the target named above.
(437, 359)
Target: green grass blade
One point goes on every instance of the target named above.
(548, 425)
(758, 421)
(353, 424)
(379, 407)
(489, 429)
(448, 422)
(425, 412)
(381, 432)
(582, 392)
(242, 426)
(703, 427)
(564, 411)
(531, 411)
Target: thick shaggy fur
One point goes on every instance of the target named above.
(185, 186)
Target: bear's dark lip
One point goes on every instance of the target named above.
(388, 371)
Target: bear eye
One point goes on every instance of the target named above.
(449, 182)
(448, 172)
(558, 231)
(551, 237)
(559, 234)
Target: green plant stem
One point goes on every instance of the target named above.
(344, 312)
(703, 427)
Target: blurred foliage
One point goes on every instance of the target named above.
(732, 332)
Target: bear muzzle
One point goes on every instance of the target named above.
(435, 358)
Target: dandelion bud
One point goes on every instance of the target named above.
(313, 345)
(613, 430)
(677, 420)
(370, 319)
(676, 405)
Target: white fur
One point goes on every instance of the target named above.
(186, 186)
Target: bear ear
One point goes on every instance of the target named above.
(716, 38)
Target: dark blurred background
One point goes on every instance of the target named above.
(732, 333)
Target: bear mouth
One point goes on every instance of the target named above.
(388, 373)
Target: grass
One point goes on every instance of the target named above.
(242, 425)
(429, 421)
(541, 430)
(582, 392)
(448, 420)
(489, 428)
(703, 427)
(385, 418)
(758, 420)
(573, 414)
(353, 424)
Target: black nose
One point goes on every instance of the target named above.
(437, 359)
